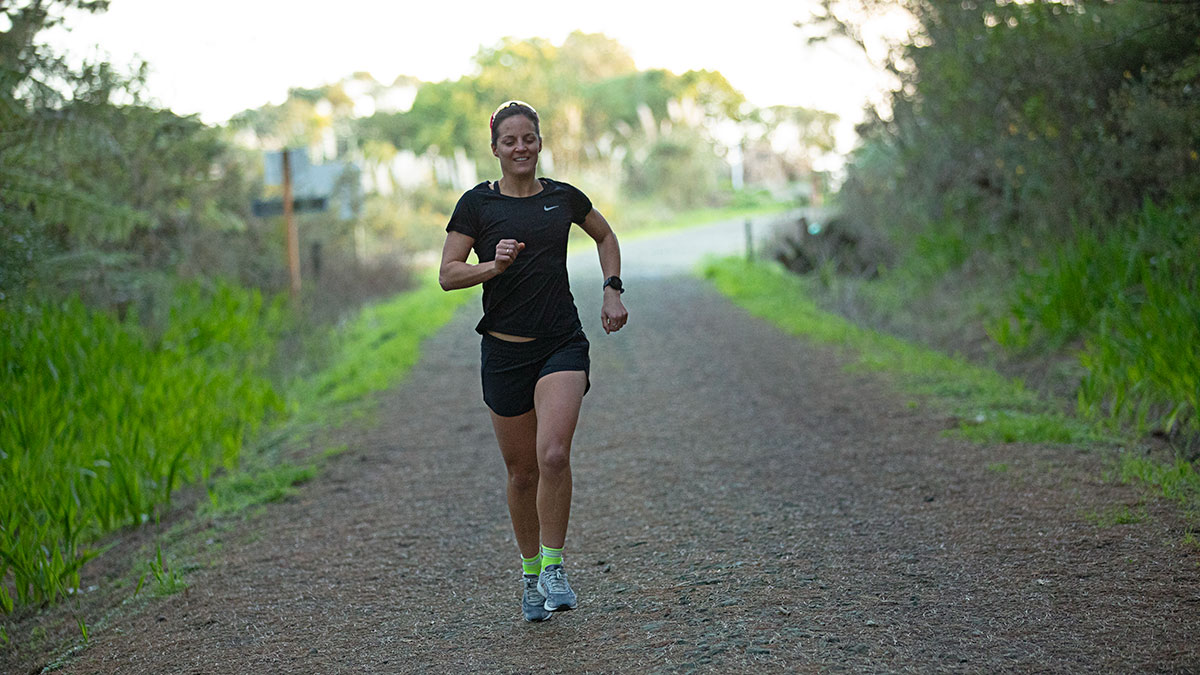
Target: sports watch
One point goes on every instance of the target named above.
(615, 282)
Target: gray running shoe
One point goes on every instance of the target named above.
(532, 601)
(552, 583)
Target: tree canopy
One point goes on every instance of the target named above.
(588, 93)
(1028, 116)
(91, 169)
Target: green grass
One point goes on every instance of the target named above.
(376, 348)
(1131, 292)
(1122, 514)
(102, 421)
(990, 407)
(1176, 481)
(334, 451)
(166, 577)
(373, 351)
(246, 488)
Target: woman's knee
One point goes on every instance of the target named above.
(522, 478)
(555, 458)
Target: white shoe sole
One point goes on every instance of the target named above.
(560, 608)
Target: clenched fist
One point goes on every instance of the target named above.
(506, 253)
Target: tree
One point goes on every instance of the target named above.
(32, 120)
(97, 192)
(1028, 117)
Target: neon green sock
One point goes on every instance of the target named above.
(551, 556)
(532, 565)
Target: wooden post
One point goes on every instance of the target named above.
(289, 219)
(749, 241)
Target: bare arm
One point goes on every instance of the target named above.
(455, 272)
(613, 314)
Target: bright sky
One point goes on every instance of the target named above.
(218, 57)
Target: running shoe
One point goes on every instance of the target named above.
(552, 584)
(532, 602)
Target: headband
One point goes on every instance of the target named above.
(509, 104)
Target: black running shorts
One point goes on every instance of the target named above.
(511, 370)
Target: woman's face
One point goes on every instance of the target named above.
(517, 146)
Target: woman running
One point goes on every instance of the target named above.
(534, 355)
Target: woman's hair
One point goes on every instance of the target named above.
(514, 108)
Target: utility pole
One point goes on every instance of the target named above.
(289, 219)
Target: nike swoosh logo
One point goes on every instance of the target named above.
(550, 208)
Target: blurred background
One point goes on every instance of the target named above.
(158, 128)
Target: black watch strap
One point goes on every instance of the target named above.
(615, 282)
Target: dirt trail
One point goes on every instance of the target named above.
(742, 502)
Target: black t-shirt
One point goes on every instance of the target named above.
(532, 298)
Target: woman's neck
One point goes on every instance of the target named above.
(519, 187)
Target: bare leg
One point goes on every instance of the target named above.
(556, 399)
(517, 437)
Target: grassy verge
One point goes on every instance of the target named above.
(102, 420)
(372, 352)
(1131, 292)
(376, 348)
(93, 390)
(989, 407)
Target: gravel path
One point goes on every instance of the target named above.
(741, 502)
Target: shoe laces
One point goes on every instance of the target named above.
(556, 581)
